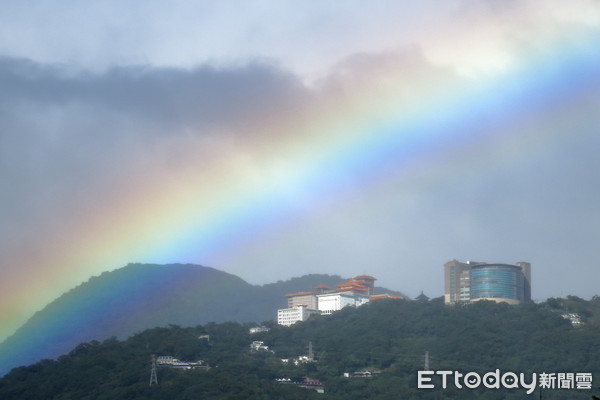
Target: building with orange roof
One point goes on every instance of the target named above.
(320, 289)
(325, 300)
(367, 277)
(350, 284)
(385, 296)
(330, 302)
(367, 281)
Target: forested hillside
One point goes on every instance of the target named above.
(141, 296)
(388, 338)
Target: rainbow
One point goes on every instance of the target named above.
(127, 301)
(243, 195)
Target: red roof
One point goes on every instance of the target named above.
(321, 286)
(352, 290)
(365, 277)
(350, 284)
(299, 294)
(385, 296)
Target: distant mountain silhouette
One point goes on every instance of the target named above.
(141, 296)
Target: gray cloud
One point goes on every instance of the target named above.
(67, 137)
(201, 96)
(77, 136)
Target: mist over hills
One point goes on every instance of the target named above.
(131, 299)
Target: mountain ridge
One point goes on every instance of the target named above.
(136, 297)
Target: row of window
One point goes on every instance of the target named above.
(491, 281)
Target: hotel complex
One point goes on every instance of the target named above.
(464, 282)
(473, 281)
(325, 300)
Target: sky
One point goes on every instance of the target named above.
(271, 139)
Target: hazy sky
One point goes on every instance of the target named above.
(271, 139)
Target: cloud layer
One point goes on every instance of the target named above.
(115, 116)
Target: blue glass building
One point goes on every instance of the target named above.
(472, 281)
(497, 281)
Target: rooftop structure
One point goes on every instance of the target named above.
(422, 298)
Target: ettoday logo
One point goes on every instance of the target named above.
(507, 380)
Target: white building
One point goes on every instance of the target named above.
(574, 318)
(325, 300)
(330, 302)
(258, 329)
(166, 360)
(289, 316)
(258, 345)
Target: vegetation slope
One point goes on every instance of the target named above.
(128, 300)
(385, 336)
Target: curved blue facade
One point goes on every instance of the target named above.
(497, 281)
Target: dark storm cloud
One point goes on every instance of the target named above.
(57, 124)
(66, 136)
(201, 96)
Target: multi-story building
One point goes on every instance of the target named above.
(325, 300)
(289, 316)
(330, 302)
(307, 299)
(473, 281)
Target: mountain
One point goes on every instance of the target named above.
(141, 296)
(386, 337)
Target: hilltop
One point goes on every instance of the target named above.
(386, 337)
(136, 297)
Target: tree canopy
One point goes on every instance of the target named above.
(387, 337)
